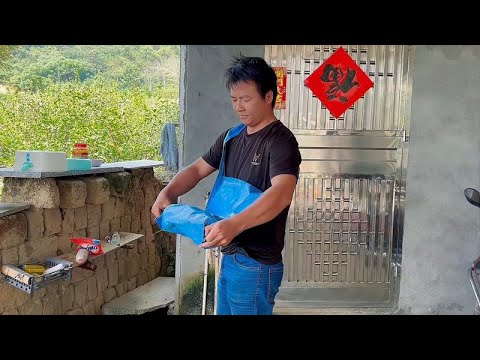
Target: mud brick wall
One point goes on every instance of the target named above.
(85, 206)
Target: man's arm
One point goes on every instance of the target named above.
(264, 209)
(181, 183)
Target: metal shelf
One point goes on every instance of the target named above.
(29, 283)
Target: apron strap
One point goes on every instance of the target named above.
(230, 135)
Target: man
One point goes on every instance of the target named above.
(266, 155)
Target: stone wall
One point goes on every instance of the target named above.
(87, 206)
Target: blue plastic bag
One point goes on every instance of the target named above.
(186, 220)
(229, 196)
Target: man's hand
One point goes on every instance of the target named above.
(221, 233)
(160, 204)
(181, 183)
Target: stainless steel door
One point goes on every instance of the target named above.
(343, 236)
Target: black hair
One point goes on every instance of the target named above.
(256, 69)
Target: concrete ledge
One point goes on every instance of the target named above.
(12, 173)
(134, 164)
(278, 310)
(156, 294)
(12, 208)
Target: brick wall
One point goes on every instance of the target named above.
(87, 206)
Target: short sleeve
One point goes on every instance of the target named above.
(285, 156)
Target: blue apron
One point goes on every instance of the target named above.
(228, 197)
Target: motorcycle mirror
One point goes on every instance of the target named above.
(473, 196)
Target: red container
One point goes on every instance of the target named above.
(80, 150)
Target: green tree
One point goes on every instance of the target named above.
(35, 67)
(5, 53)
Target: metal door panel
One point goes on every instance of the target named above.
(388, 155)
(347, 167)
(382, 108)
(344, 228)
(381, 141)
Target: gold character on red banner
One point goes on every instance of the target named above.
(280, 101)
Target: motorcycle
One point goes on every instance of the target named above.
(473, 197)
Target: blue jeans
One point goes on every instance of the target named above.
(247, 287)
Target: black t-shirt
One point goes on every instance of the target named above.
(256, 158)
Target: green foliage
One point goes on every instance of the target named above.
(35, 67)
(5, 53)
(118, 124)
(114, 97)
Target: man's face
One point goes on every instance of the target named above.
(250, 105)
